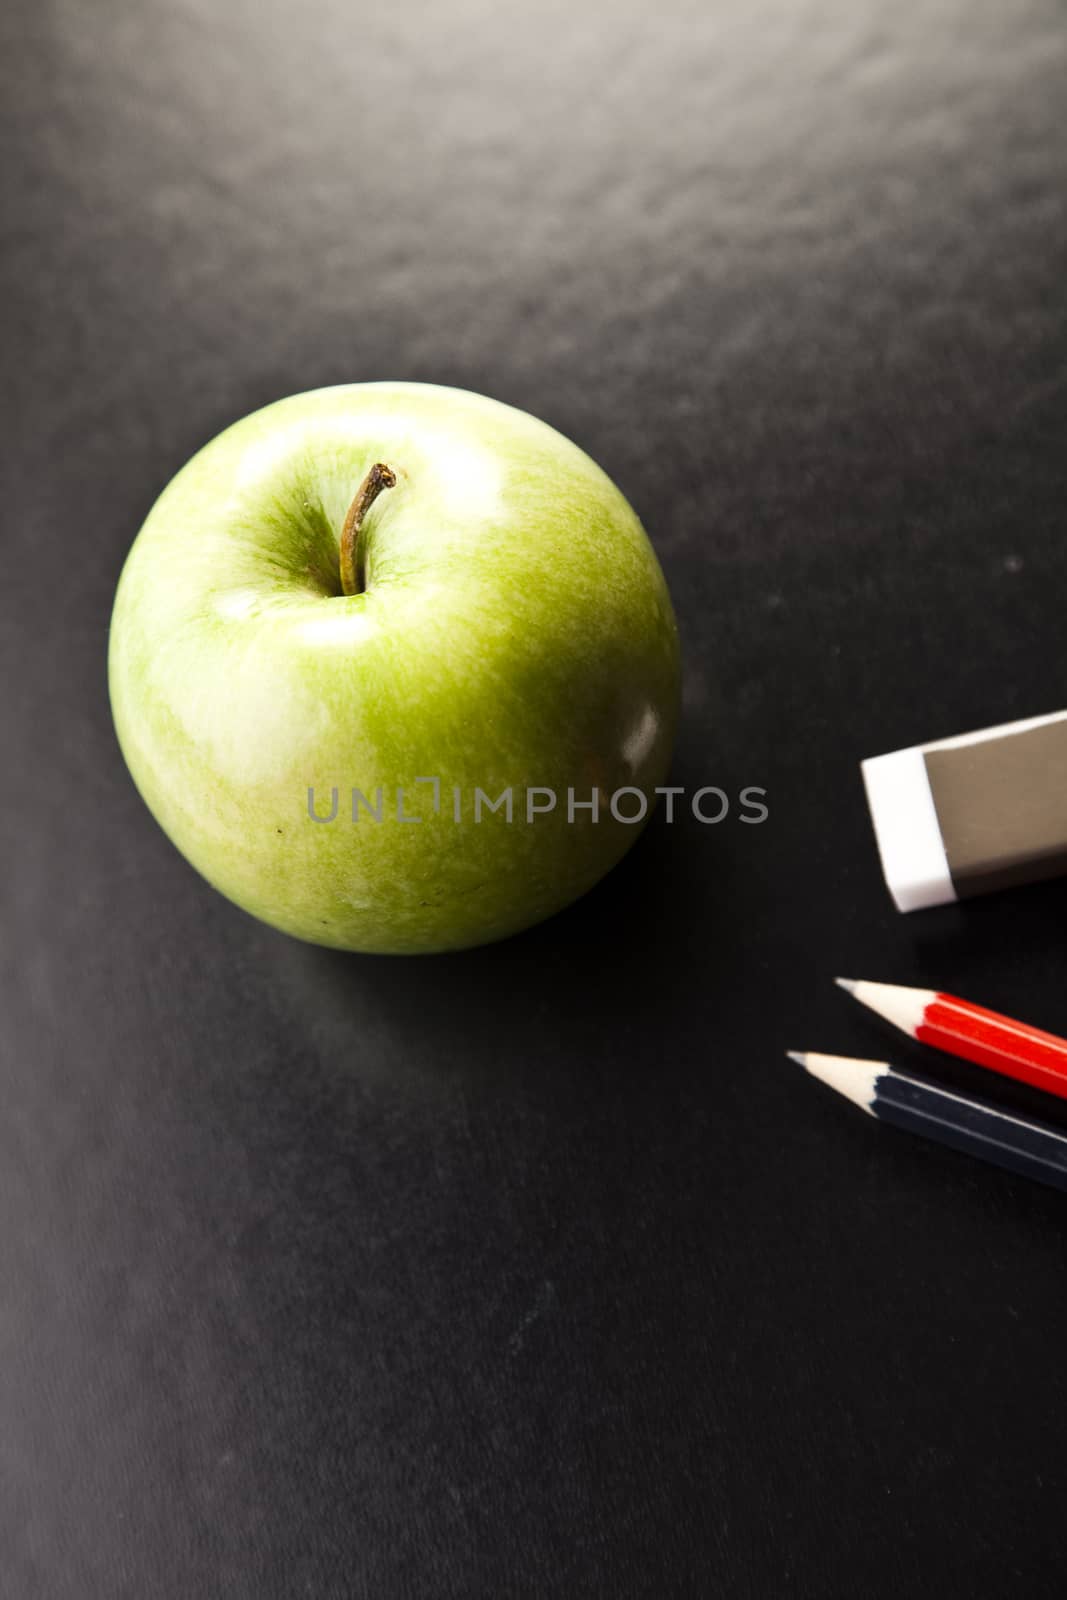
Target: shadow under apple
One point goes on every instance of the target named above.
(609, 967)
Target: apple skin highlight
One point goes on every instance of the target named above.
(513, 630)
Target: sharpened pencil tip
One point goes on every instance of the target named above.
(799, 1057)
(848, 984)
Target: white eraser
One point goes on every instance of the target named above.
(913, 853)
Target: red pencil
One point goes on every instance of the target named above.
(961, 1029)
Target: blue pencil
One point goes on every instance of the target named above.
(1032, 1149)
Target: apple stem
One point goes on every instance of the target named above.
(378, 478)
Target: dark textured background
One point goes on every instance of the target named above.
(537, 1271)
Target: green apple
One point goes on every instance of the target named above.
(395, 603)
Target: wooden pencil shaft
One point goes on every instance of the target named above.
(996, 1042)
(1030, 1149)
(960, 1028)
